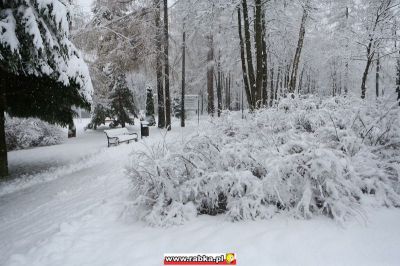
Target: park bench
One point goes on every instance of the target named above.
(119, 135)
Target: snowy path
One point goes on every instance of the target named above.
(77, 213)
(62, 194)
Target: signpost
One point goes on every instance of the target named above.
(192, 104)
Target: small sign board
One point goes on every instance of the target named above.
(191, 102)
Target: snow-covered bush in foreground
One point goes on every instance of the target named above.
(306, 157)
(24, 133)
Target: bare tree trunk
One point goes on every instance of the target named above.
(287, 77)
(271, 91)
(219, 89)
(183, 79)
(301, 81)
(314, 88)
(398, 78)
(226, 94)
(258, 28)
(3, 146)
(229, 92)
(346, 74)
(309, 81)
(346, 79)
(202, 102)
(397, 75)
(278, 81)
(397, 63)
(210, 75)
(296, 60)
(380, 16)
(244, 67)
(166, 68)
(334, 79)
(249, 55)
(265, 63)
(160, 87)
(378, 66)
(370, 57)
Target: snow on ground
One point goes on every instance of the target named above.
(71, 206)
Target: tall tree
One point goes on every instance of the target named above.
(122, 100)
(397, 63)
(249, 56)
(210, 75)
(260, 52)
(41, 72)
(381, 13)
(398, 78)
(255, 82)
(159, 68)
(150, 107)
(346, 73)
(265, 64)
(219, 88)
(114, 39)
(296, 60)
(246, 81)
(377, 75)
(166, 68)
(183, 78)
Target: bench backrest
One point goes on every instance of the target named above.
(116, 132)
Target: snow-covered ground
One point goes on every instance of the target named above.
(71, 205)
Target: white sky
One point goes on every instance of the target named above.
(87, 4)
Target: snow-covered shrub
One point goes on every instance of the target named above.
(24, 133)
(306, 157)
(312, 181)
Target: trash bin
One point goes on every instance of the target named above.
(71, 131)
(144, 129)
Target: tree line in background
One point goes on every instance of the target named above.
(253, 49)
(266, 49)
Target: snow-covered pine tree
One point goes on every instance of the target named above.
(150, 108)
(122, 101)
(101, 95)
(42, 74)
(176, 107)
(99, 115)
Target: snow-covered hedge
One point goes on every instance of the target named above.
(24, 133)
(305, 157)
